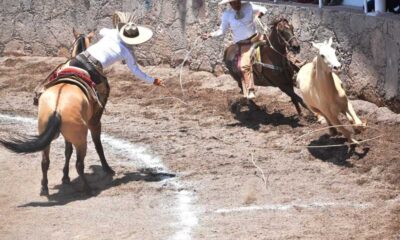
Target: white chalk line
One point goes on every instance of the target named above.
(143, 157)
(285, 207)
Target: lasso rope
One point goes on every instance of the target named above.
(330, 145)
(183, 63)
(265, 179)
(180, 76)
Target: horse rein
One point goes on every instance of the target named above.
(268, 40)
(272, 46)
(80, 38)
(286, 42)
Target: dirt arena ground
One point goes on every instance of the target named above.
(194, 167)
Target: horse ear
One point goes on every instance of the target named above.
(76, 34)
(330, 41)
(316, 45)
(91, 35)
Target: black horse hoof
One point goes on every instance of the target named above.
(109, 171)
(333, 132)
(66, 180)
(44, 191)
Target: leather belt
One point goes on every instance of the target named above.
(254, 38)
(93, 60)
(92, 65)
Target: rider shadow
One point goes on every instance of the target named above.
(337, 155)
(255, 116)
(99, 181)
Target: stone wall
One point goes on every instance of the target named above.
(367, 46)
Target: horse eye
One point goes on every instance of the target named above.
(322, 55)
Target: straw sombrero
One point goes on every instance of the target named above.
(225, 1)
(129, 32)
(132, 34)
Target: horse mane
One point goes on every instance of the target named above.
(277, 20)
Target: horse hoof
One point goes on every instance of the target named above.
(355, 142)
(333, 132)
(66, 180)
(251, 95)
(109, 171)
(44, 191)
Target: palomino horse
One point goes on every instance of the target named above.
(323, 91)
(274, 69)
(67, 109)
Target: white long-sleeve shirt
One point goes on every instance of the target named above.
(241, 28)
(111, 49)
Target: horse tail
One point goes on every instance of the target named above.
(31, 144)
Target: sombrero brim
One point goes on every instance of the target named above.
(225, 1)
(144, 35)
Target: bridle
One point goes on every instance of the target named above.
(78, 45)
(281, 38)
(286, 42)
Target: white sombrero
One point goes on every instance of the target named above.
(133, 35)
(225, 1)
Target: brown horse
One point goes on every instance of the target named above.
(275, 69)
(64, 108)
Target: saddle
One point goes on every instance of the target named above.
(73, 75)
(233, 53)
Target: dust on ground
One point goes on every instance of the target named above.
(207, 138)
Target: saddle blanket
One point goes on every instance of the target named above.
(69, 71)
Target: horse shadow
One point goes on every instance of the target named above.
(99, 181)
(337, 155)
(255, 116)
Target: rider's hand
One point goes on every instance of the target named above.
(205, 36)
(158, 82)
(259, 14)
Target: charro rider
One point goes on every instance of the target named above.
(240, 18)
(114, 46)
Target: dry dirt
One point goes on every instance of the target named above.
(202, 183)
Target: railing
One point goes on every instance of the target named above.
(380, 6)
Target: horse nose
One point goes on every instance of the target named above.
(337, 67)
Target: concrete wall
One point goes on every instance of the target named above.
(369, 47)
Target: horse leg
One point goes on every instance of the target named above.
(96, 137)
(332, 130)
(353, 118)
(342, 129)
(296, 99)
(68, 154)
(80, 166)
(317, 113)
(44, 191)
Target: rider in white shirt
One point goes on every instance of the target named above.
(240, 19)
(113, 47)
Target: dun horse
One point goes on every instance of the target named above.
(65, 108)
(323, 92)
(274, 69)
